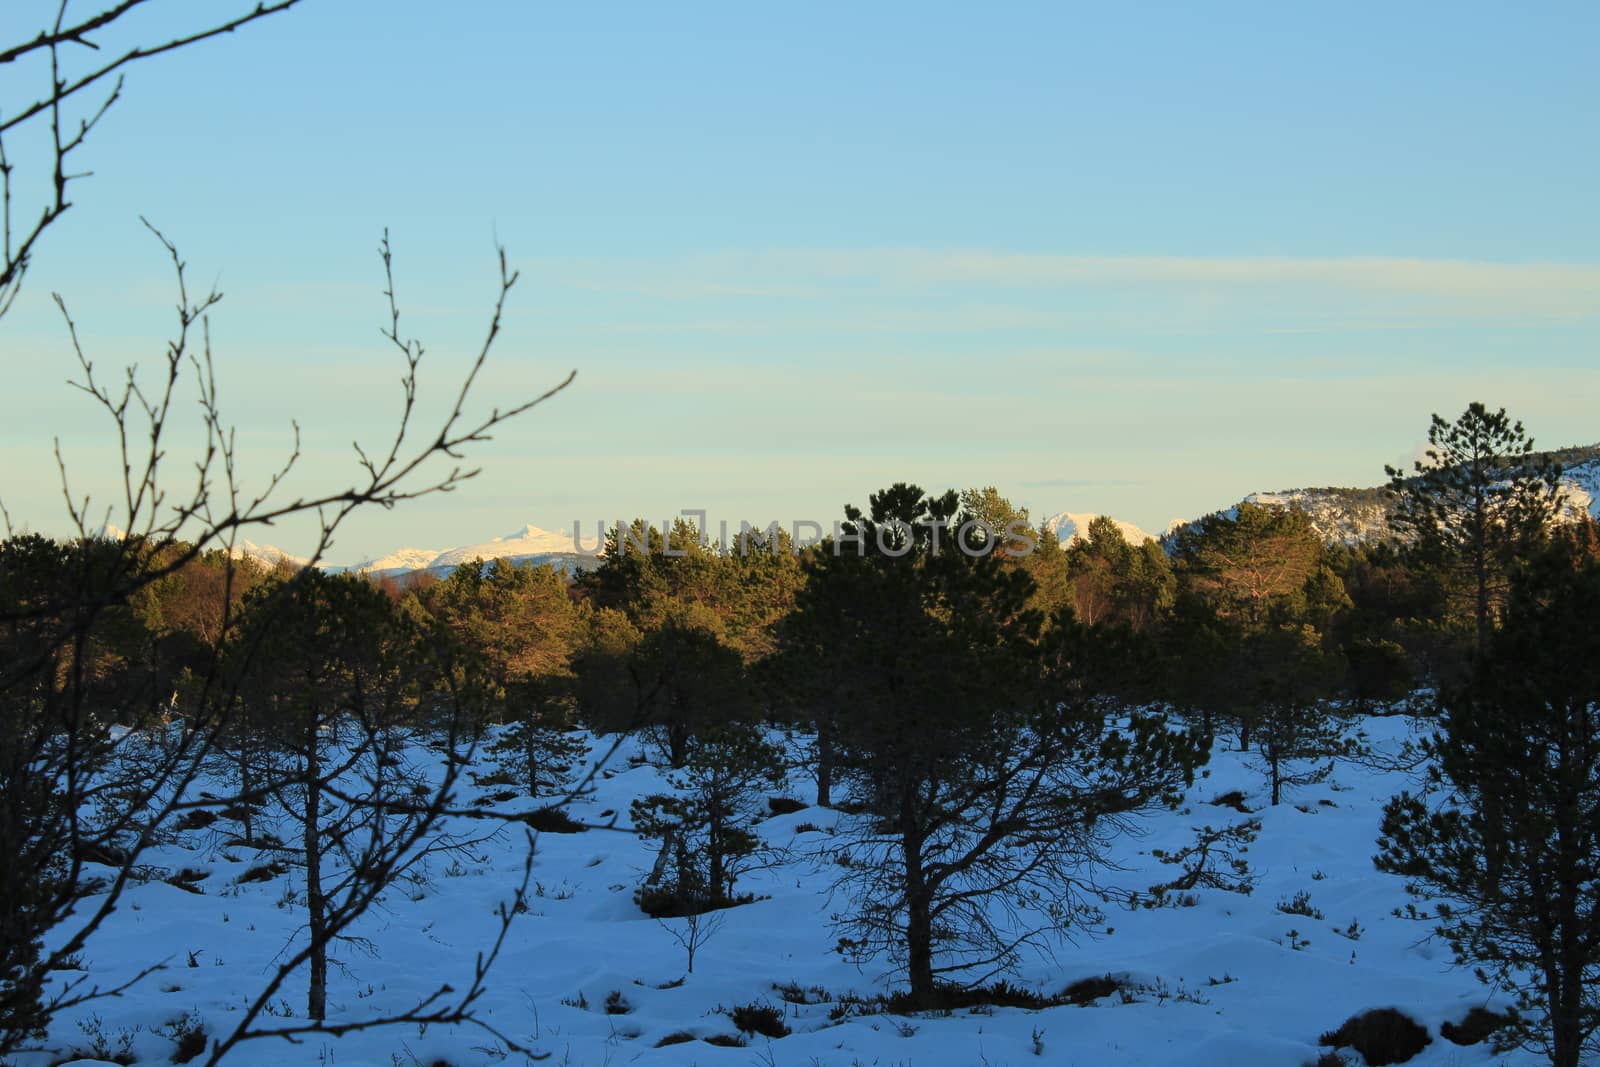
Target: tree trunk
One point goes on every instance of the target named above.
(919, 909)
(1275, 765)
(1483, 604)
(1565, 995)
(716, 846)
(530, 742)
(667, 853)
(919, 951)
(680, 846)
(825, 760)
(1573, 866)
(1494, 844)
(246, 787)
(316, 905)
(678, 743)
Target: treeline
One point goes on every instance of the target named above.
(1196, 622)
(1235, 613)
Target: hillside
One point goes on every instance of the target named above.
(1349, 516)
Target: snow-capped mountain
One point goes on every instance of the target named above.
(271, 555)
(404, 559)
(268, 555)
(527, 543)
(1069, 526)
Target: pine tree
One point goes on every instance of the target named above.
(672, 682)
(540, 747)
(524, 627)
(1479, 501)
(985, 779)
(518, 618)
(1099, 565)
(1513, 852)
(1245, 563)
(1294, 732)
(1257, 605)
(1008, 525)
(706, 826)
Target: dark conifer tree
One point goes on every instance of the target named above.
(706, 827)
(1479, 501)
(990, 783)
(1513, 850)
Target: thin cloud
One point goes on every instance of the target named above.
(1477, 287)
(1081, 483)
(1446, 277)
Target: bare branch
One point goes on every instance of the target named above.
(67, 135)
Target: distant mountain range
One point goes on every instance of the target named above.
(529, 542)
(1338, 515)
(242, 549)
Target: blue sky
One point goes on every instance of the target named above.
(1140, 259)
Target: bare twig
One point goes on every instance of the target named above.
(68, 134)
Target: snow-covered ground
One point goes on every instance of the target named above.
(1232, 981)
